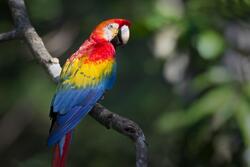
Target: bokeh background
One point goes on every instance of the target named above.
(183, 77)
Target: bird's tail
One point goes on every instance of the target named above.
(61, 150)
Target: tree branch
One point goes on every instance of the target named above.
(8, 36)
(125, 127)
(25, 30)
(35, 43)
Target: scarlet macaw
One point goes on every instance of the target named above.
(86, 75)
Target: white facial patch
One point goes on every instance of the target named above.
(110, 31)
(124, 34)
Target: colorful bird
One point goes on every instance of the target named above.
(86, 75)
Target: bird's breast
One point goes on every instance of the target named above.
(84, 73)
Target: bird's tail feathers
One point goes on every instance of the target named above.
(61, 150)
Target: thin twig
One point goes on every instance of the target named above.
(35, 43)
(25, 30)
(8, 36)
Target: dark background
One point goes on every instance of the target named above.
(183, 77)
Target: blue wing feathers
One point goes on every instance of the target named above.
(66, 99)
(73, 105)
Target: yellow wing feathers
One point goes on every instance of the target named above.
(82, 72)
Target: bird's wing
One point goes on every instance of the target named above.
(83, 84)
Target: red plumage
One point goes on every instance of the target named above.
(95, 50)
(98, 48)
(59, 161)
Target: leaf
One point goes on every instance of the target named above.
(210, 44)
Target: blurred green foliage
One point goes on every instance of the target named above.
(192, 102)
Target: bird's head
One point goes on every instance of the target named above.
(115, 31)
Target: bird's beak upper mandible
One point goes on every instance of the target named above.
(124, 34)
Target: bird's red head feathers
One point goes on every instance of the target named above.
(108, 29)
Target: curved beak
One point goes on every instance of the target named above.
(122, 37)
(124, 34)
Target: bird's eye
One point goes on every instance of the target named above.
(110, 26)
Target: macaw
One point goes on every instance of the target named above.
(85, 76)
